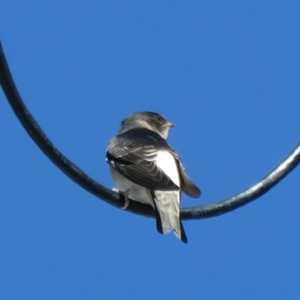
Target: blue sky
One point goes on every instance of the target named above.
(226, 72)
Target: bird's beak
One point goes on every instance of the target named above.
(169, 125)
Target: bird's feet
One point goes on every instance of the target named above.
(126, 196)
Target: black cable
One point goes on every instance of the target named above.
(111, 197)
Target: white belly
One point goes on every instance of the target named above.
(137, 192)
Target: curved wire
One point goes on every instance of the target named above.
(111, 197)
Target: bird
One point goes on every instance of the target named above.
(145, 168)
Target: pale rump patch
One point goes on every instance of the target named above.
(166, 162)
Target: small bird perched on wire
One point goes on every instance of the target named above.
(145, 168)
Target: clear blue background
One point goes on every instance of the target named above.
(226, 72)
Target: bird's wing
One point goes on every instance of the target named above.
(186, 184)
(133, 154)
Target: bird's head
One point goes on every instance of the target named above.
(149, 120)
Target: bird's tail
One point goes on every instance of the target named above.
(168, 213)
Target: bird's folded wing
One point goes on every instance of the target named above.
(136, 160)
(187, 186)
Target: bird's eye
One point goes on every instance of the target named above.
(160, 119)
